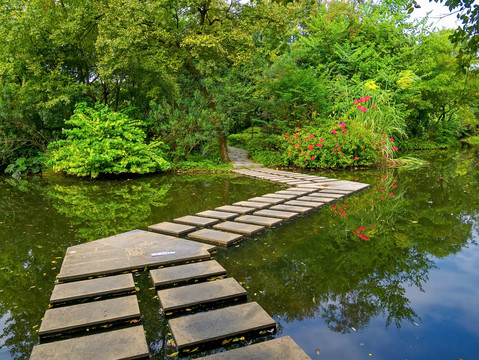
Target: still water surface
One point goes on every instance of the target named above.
(391, 273)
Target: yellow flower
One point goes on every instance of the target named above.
(370, 85)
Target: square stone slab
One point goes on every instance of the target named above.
(170, 228)
(81, 316)
(283, 348)
(252, 204)
(335, 191)
(215, 237)
(219, 324)
(236, 209)
(267, 200)
(127, 251)
(286, 215)
(314, 199)
(319, 198)
(196, 220)
(87, 289)
(206, 293)
(298, 209)
(328, 195)
(129, 343)
(220, 215)
(173, 275)
(240, 228)
(281, 196)
(259, 220)
(304, 203)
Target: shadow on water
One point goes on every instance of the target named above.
(351, 279)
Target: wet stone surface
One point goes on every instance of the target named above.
(182, 297)
(86, 289)
(129, 343)
(78, 317)
(259, 220)
(172, 275)
(171, 228)
(241, 228)
(219, 324)
(283, 348)
(215, 237)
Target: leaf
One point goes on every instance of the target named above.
(173, 354)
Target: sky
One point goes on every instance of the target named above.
(438, 14)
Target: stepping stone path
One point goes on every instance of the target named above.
(221, 324)
(286, 215)
(246, 229)
(127, 343)
(171, 228)
(215, 237)
(89, 289)
(183, 274)
(259, 220)
(221, 215)
(196, 220)
(183, 297)
(96, 284)
(283, 348)
(82, 316)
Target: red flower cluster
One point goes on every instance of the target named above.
(364, 100)
(359, 233)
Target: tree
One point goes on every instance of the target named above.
(196, 38)
(468, 12)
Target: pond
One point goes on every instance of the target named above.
(391, 273)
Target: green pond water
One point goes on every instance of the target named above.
(391, 273)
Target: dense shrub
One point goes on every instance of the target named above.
(101, 141)
(353, 141)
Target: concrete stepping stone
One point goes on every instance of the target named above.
(236, 209)
(215, 237)
(79, 317)
(219, 324)
(281, 196)
(267, 200)
(252, 204)
(196, 220)
(259, 220)
(298, 209)
(128, 251)
(181, 274)
(286, 215)
(88, 289)
(315, 199)
(241, 228)
(202, 294)
(129, 343)
(220, 215)
(312, 204)
(334, 191)
(283, 348)
(329, 195)
(294, 192)
(170, 228)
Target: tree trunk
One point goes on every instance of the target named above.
(223, 147)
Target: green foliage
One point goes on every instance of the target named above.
(27, 165)
(185, 127)
(101, 141)
(474, 140)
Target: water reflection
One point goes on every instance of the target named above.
(403, 252)
(100, 211)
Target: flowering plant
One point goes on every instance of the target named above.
(351, 141)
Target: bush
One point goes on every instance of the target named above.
(102, 141)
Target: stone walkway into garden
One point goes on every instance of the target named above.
(239, 158)
(94, 309)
